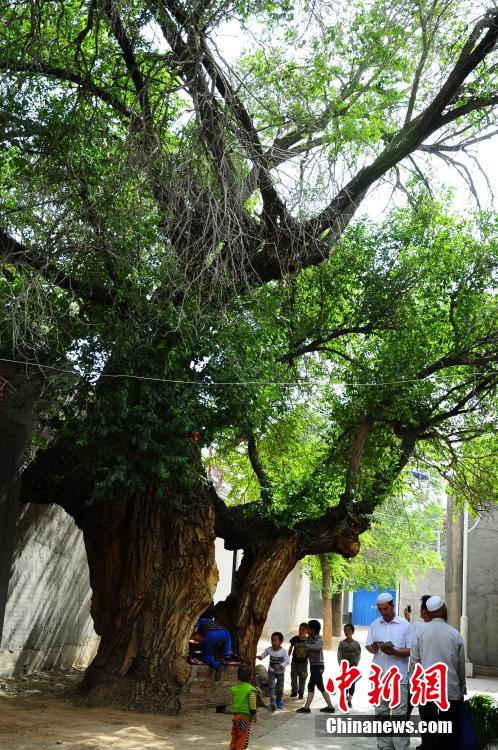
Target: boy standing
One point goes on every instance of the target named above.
(314, 651)
(243, 708)
(350, 650)
(299, 663)
(279, 658)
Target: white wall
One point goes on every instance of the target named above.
(409, 593)
(482, 593)
(290, 605)
(47, 618)
(224, 561)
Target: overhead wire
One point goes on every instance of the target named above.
(203, 383)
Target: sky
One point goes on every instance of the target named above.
(230, 42)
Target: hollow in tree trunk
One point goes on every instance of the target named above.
(259, 577)
(269, 555)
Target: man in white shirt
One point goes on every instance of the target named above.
(390, 627)
(439, 642)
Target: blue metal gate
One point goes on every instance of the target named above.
(364, 606)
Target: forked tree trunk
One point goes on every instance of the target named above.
(326, 601)
(267, 560)
(257, 581)
(151, 576)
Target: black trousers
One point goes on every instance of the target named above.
(431, 712)
(316, 678)
(350, 691)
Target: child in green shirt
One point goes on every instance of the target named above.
(243, 708)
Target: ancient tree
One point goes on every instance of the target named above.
(174, 256)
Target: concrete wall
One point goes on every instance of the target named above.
(290, 605)
(409, 593)
(482, 593)
(47, 618)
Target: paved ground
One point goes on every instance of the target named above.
(33, 716)
(299, 731)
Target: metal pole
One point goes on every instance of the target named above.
(464, 622)
(234, 569)
(463, 618)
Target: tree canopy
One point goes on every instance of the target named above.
(401, 542)
(180, 270)
(136, 164)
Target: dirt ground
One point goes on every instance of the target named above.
(37, 711)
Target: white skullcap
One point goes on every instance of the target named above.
(433, 603)
(384, 598)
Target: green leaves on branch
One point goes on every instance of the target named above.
(401, 543)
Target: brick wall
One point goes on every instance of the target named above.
(201, 690)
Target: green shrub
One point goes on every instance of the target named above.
(483, 710)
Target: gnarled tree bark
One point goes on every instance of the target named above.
(270, 554)
(151, 572)
(326, 601)
(151, 576)
(336, 607)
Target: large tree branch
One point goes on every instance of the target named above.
(273, 205)
(64, 75)
(259, 470)
(354, 464)
(464, 360)
(318, 344)
(139, 82)
(486, 385)
(16, 254)
(187, 59)
(190, 51)
(58, 475)
(244, 527)
(413, 133)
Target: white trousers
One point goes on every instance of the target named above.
(398, 743)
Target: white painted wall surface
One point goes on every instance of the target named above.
(290, 605)
(431, 583)
(224, 561)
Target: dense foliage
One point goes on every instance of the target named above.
(138, 234)
(401, 542)
(184, 294)
(396, 332)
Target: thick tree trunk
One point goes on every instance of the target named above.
(326, 601)
(151, 576)
(259, 577)
(269, 555)
(337, 614)
(152, 573)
